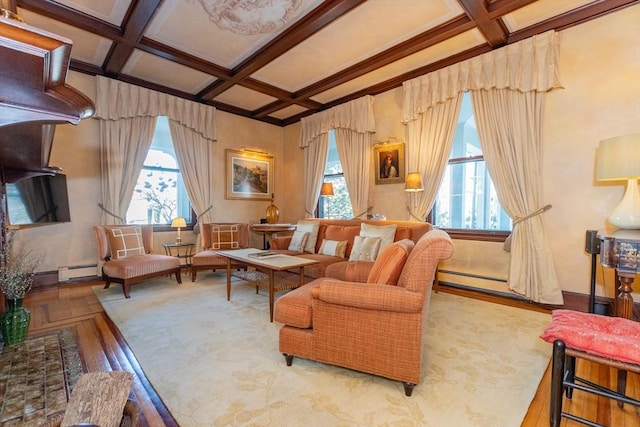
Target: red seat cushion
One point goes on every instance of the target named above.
(611, 337)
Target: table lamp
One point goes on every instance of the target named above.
(178, 223)
(413, 184)
(327, 191)
(618, 160)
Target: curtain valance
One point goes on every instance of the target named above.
(525, 66)
(119, 100)
(356, 115)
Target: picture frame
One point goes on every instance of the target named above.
(249, 175)
(393, 171)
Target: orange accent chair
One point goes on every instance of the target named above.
(374, 327)
(219, 237)
(126, 252)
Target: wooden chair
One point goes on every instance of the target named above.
(126, 252)
(611, 341)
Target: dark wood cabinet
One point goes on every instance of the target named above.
(34, 98)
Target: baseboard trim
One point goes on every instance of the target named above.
(572, 300)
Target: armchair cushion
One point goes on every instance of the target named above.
(389, 264)
(125, 242)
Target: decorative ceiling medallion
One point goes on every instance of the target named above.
(249, 17)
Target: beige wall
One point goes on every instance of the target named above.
(600, 65)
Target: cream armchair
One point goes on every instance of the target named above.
(126, 252)
(374, 327)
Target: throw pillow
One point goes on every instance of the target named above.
(333, 247)
(387, 233)
(389, 264)
(298, 240)
(225, 236)
(365, 248)
(125, 242)
(312, 228)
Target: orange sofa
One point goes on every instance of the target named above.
(340, 230)
(374, 327)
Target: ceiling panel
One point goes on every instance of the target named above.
(87, 47)
(244, 98)
(157, 70)
(112, 11)
(539, 11)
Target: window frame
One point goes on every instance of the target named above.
(167, 227)
(467, 233)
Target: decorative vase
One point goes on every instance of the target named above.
(14, 322)
(272, 212)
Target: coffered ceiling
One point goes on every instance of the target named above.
(279, 60)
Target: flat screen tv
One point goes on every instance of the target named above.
(38, 200)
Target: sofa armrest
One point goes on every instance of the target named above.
(280, 242)
(368, 296)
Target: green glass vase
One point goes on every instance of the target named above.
(14, 322)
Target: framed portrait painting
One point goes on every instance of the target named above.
(249, 175)
(389, 159)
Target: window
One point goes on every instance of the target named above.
(337, 206)
(160, 194)
(467, 199)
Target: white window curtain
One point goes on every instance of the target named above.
(127, 114)
(354, 123)
(527, 67)
(429, 140)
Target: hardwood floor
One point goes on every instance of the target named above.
(103, 349)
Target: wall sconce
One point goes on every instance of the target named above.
(412, 185)
(327, 191)
(618, 160)
(178, 223)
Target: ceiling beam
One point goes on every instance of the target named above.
(492, 28)
(72, 17)
(138, 17)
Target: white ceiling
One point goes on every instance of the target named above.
(318, 54)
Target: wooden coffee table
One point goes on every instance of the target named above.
(263, 275)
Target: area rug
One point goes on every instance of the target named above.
(216, 362)
(37, 376)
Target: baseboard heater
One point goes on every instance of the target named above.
(75, 272)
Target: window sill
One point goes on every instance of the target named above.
(479, 235)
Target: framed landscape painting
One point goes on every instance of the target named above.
(249, 175)
(389, 158)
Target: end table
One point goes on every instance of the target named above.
(181, 251)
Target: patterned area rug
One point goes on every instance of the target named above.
(216, 362)
(37, 376)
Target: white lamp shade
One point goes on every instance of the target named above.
(619, 159)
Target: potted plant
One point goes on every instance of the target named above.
(17, 269)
